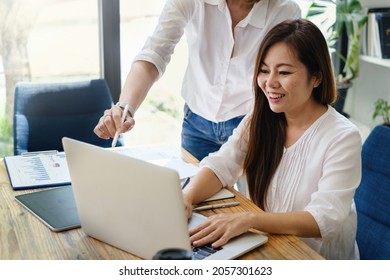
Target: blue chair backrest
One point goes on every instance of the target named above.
(46, 112)
(373, 196)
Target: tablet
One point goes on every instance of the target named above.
(56, 207)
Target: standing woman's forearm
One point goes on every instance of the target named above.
(140, 79)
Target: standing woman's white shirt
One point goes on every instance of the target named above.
(318, 174)
(218, 80)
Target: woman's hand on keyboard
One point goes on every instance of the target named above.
(219, 229)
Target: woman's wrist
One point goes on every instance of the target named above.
(130, 111)
(187, 198)
(252, 219)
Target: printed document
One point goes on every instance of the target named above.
(36, 170)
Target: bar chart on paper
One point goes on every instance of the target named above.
(38, 170)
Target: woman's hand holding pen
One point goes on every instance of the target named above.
(111, 122)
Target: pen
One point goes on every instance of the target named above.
(214, 206)
(185, 183)
(116, 137)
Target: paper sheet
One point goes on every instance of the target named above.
(162, 155)
(170, 156)
(37, 170)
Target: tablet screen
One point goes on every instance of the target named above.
(56, 207)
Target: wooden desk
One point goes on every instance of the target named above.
(22, 236)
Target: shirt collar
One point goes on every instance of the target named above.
(256, 17)
(214, 2)
(221, 3)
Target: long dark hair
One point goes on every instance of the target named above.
(267, 130)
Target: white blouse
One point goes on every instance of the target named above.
(318, 174)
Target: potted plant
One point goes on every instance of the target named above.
(382, 108)
(350, 20)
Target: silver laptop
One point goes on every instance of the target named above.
(135, 205)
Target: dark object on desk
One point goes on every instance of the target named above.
(56, 208)
(44, 113)
(186, 183)
(173, 254)
(373, 195)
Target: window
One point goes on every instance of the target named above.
(159, 118)
(44, 41)
(323, 21)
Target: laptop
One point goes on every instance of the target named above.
(135, 205)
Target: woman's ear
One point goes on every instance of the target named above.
(317, 79)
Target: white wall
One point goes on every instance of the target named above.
(373, 83)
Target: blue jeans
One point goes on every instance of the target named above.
(201, 137)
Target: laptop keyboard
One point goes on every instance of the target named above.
(199, 253)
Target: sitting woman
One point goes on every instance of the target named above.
(301, 158)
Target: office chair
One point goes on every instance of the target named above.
(46, 112)
(372, 197)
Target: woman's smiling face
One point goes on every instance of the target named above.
(285, 80)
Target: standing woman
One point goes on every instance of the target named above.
(223, 38)
(302, 159)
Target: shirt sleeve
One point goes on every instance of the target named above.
(287, 10)
(227, 163)
(332, 203)
(160, 46)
